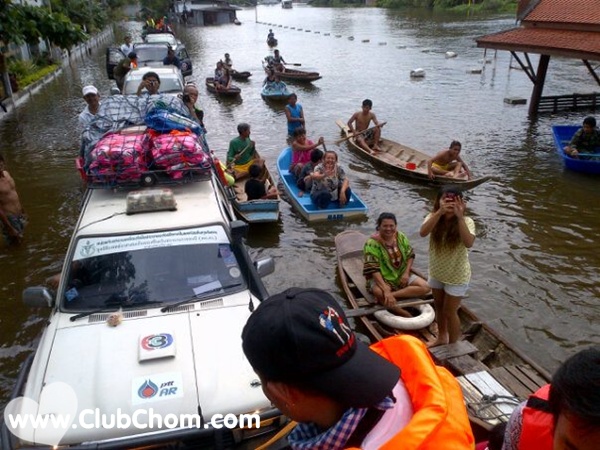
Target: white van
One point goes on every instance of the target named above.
(155, 290)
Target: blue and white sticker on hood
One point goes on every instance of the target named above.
(156, 387)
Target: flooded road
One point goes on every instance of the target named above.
(535, 261)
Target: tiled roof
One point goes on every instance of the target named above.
(566, 11)
(571, 44)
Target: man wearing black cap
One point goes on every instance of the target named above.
(344, 394)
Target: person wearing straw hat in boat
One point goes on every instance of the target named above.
(242, 153)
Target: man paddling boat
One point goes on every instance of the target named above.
(359, 123)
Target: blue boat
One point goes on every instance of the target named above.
(586, 163)
(304, 205)
(276, 91)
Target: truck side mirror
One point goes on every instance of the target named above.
(38, 296)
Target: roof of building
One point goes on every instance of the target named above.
(568, 28)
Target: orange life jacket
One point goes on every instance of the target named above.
(537, 422)
(440, 418)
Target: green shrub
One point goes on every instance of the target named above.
(38, 75)
(22, 68)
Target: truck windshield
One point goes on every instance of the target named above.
(151, 268)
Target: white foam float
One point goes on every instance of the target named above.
(451, 55)
(417, 73)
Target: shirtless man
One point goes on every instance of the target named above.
(360, 121)
(12, 215)
(448, 163)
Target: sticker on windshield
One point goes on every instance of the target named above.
(234, 272)
(107, 245)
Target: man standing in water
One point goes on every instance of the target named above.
(359, 123)
(12, 215)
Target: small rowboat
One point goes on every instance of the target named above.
(272, 42)
(253, 211)
(494, 376)
(240, 76)
(304, 205)
(276, 91)
(298, 75)
(231, 92)
(407, 162)
(586, 163)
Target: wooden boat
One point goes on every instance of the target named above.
(589, 163)
(275, 91)
(233, 90)
(407, 162)
(272, 42)
(494, 376)
(298, 75)
(254, 211)
(304, 205)
(240, 76)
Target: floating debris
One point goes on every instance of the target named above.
(382, 43)
(317, 32)
(307, 31)
(326, 34)
(475, 70)
(417, 73)
(300, 29)
(451, 55)
(338, 35)
(351, 38)
(515, 100)
(401, 46)
(292, 28)
(366, 40)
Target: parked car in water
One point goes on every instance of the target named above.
(149, 54)
(171, 80)
(156, 287)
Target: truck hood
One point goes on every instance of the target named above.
(168, 363)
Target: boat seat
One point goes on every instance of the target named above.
(486, 398)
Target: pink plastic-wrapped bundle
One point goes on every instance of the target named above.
(119, 158)
(178, 152)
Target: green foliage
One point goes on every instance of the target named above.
(38, 75)
(158, 8)
(21, 68)
(455, 5)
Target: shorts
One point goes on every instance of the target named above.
(442, 167)
(455, 290)
(371, 282)
(18, 222)
(243, 168)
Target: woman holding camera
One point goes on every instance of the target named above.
(451, 234)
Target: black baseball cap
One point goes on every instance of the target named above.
(302, 336)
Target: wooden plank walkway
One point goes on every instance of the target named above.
(570, 102)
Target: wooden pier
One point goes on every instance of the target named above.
(571, 102)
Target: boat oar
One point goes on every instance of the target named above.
(359, 312)
(353, 135)
(292, 64)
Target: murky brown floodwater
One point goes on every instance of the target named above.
(535, 262)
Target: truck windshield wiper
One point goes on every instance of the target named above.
(197, 297)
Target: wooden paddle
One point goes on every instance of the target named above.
(339, 141)
(359, 312)
(292, 64)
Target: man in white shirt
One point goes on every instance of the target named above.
(92, 98)
(127, 47)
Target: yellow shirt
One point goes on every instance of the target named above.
(451, 266)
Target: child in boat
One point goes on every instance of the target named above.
(585, 140)
(255, 188)
(448, 163)
(304, 182)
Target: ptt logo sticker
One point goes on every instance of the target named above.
(157, 387)
(156, 341)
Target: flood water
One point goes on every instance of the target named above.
(535, 261)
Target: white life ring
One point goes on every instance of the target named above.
(423, 320)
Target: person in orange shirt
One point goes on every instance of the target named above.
(344, 394)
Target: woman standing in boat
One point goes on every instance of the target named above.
(387, 264)
(451, 235)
